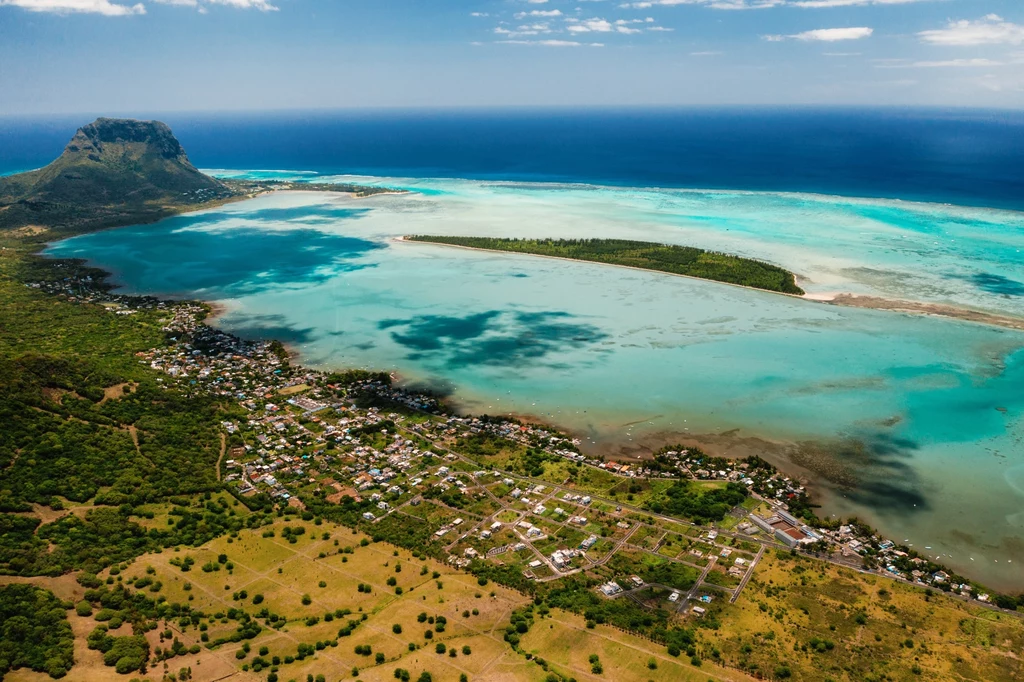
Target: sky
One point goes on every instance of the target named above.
(121, 56)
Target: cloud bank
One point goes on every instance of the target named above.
(989, 30)
(826, 35)
(111, 8)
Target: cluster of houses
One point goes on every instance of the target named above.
(312, 443)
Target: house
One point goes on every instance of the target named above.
(674, 597)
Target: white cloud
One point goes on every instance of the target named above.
(105, 7)
(261, 5)
(989, 30)
(849, 3)
(112, 8)
(970, 63)
(705, 53)
(550, 43)
(714, 4)
(539, 13)
(479, 14)
(827, 35)
(589, 26)
(765, 4)
(954, 63)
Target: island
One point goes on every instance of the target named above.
(686, 261)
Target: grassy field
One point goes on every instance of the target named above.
(329, 563)
(797, 619)
(564, 641)
(816, 621)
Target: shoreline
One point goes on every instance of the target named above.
(730, 444)
(840, 299)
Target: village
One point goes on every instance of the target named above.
(353, 437)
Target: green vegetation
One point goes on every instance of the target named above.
(690, 500)
(103, 460)
(677, 260)
(113, 172)
(34, 631)
(342, 187)
(86, 424)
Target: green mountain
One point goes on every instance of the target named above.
(113, 170)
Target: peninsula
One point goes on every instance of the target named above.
(117, 172)
(686, 261)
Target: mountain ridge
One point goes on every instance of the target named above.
(111, 169)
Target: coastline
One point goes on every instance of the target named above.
(729, 444)
(843, 299)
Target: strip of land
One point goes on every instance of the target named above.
(939, 309)
(686, 261)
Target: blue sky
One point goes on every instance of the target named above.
(120, 56)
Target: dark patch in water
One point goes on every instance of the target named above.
(435, 386)
(269, 327)
(492, 338)
(871, 468)
(997, 284)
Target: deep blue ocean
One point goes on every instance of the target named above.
(946, 156)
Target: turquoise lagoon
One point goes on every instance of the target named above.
(623, 357)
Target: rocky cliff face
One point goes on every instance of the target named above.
(150, 136)
(114, 161)
(112, 170)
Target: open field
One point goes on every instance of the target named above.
(564, 641)
(255, 566)
(816, 621)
